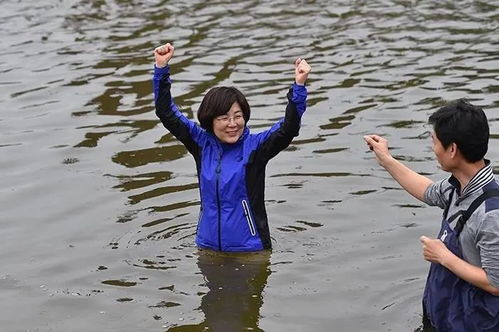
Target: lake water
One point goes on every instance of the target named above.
(99, 203)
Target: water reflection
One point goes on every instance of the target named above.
(235, 283)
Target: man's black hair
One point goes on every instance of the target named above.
(464, 124)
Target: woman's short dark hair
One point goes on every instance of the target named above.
(218, 101)
(464, 124)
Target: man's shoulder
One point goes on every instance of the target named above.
(488, 214)
(438, 190)
(492, 203)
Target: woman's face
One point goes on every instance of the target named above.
(229, 127)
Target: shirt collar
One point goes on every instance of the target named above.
(477, 182)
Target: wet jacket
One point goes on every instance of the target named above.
(231, 176)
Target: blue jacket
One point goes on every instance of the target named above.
(231, 176)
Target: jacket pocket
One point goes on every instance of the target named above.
(249, 219)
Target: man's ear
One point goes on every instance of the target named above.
(453, 150)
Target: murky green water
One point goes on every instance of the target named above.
(98, 203)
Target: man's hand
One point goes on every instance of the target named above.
(379, 146)
(163, 54)
(434, 250)
(302, 68)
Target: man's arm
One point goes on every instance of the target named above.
(414, 183)
(435, 251)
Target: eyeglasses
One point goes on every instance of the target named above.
(225, 119)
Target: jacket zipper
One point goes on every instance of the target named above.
(249, 220)
(218, 170)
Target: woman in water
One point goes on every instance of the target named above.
(230, 161)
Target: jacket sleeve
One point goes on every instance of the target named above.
(185, 130)
(282, 133)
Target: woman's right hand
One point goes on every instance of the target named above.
(163, 54)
